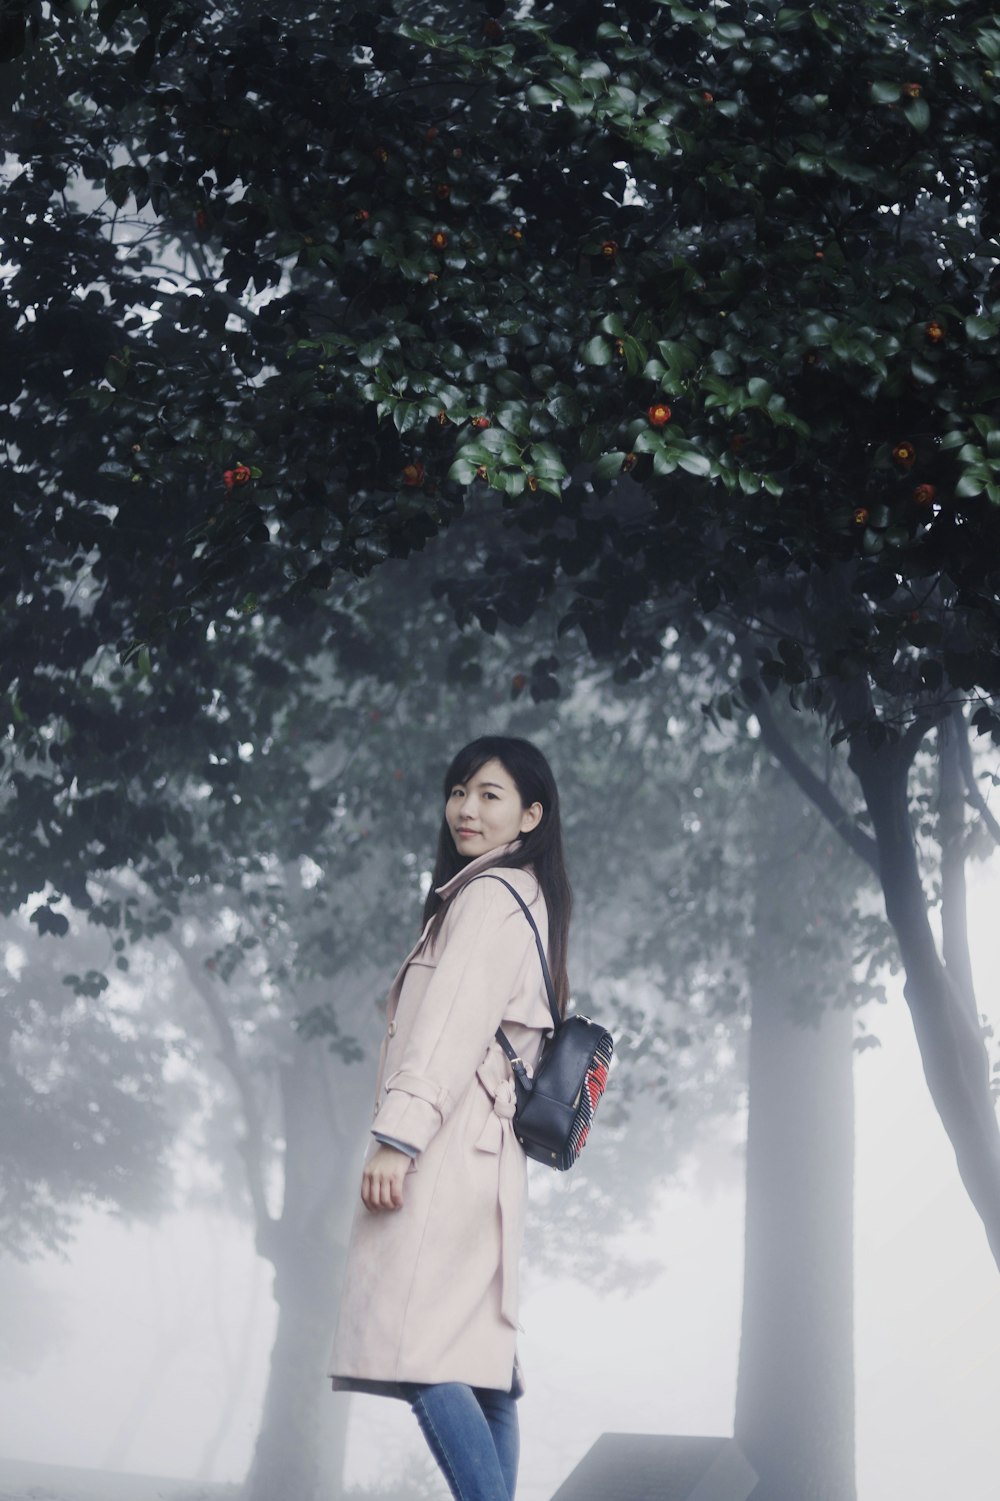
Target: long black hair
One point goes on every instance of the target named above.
(541, 847)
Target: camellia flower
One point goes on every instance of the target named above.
(443, 417)
(934, 332)
(515, 233)
(240, 475)
(532, 482)
(362, 216)
(707, 98)
(629, 462)
(439, 239)
(481, 471)
(413, 474)
(659, 414)
(609, 249)
(443, 190)
(924, 495)
(912, 90)
(861, 516)
(481, 422)
(905, 454)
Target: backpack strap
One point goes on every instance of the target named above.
(546, 975)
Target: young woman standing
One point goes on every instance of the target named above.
(429, 1310)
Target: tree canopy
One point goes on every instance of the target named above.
(324, 281)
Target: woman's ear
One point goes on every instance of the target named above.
(531, 818)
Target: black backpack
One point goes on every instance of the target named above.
(556, 1106)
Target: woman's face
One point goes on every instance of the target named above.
(486, 812)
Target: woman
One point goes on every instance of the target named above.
(429, 1307)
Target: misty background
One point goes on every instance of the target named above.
(623, 378)
(234, 1050)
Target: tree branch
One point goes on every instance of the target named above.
(252, 1147)
(974, 794)
(817, 791)
(951, 823)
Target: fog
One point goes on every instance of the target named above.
(125, 1357)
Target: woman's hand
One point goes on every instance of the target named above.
(382, 1179)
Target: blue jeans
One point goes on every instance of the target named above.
(472, 1433)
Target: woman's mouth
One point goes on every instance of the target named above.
(464, 833)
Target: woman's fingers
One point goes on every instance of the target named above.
(382, 1180)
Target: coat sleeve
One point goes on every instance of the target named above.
(459, 1012)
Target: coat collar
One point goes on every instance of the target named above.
(481, 862)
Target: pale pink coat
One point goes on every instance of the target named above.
(431, 1290)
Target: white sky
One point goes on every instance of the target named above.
(145, 1312)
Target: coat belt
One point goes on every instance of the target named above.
(497, 1136)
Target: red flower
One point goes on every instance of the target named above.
(481, 471)
(707, 97)
(439, 239)
(912, 90)
(443, 417)
(609, 249)
(905, 454)
(532, 482)
(442, 190)
(228, 478)
(413, 474)
(934, 332)
(629, 462)
(479, 423)
(241, 475)
(362, 216)
(659, 414)
(924, 495)
(861, 516)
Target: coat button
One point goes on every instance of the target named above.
(392, 1029)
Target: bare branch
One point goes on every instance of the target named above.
(817, 791)
(951, 825)
(252, 1147)
(972, 788)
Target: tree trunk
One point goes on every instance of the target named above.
(795, 1387)
(952, 1051)
(299, 1453)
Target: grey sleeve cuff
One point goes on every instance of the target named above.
(401, 1146)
